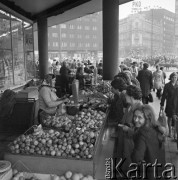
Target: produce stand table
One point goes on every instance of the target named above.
(59, 165)
(52, 165)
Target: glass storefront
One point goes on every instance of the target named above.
(17, 63)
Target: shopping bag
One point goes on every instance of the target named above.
(150, 97)
(162, 123)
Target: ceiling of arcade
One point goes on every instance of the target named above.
(57, 11)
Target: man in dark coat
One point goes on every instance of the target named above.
(146, 82)
(64, 72)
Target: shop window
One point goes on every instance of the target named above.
(6, 69)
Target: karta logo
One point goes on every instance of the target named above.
(114, 170)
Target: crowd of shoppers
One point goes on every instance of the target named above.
(141, 137)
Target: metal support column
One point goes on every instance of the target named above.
(110, 38)
(43, 46)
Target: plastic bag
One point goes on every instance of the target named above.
(162, 123)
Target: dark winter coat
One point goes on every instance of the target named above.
(168, 93)
(116, 112)
(7, 102)
(148, 147)
(146, 81)
(175, 102)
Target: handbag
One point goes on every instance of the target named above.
(162, 123)
(150, 98)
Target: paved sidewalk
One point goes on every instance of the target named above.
(170, 145)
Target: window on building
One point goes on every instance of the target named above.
(55, 44)
(87, 45)
(94, 45)
(63, 26)
(94, 28)
(87, 36)
(54, 26)
(71, 26)
(55, 35)
(80, 45)
(72, 44)
(87, 28)
(63, 35)
(94, 37)
(79, 27)
(64, 44)
(71, 35)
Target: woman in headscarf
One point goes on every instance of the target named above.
(48, 100)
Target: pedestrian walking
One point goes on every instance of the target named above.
(158, 81)
(164, 74)
(168, 93)
(146, 82)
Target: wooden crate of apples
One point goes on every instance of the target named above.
(88, 119)
(75, 143)
(61, 122)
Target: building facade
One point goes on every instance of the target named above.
(79, 38)
(167, 19)
(147, 33)
(176, 27)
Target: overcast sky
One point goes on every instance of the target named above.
(125, 10)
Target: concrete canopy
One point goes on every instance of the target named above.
(57, 11)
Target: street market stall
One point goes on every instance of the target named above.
(65, 143)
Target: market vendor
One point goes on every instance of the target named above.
(48, 100)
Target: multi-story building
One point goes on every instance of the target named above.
(79, 38)
(176, 28)
(147, 33)
(167, 19)
(139, 36)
